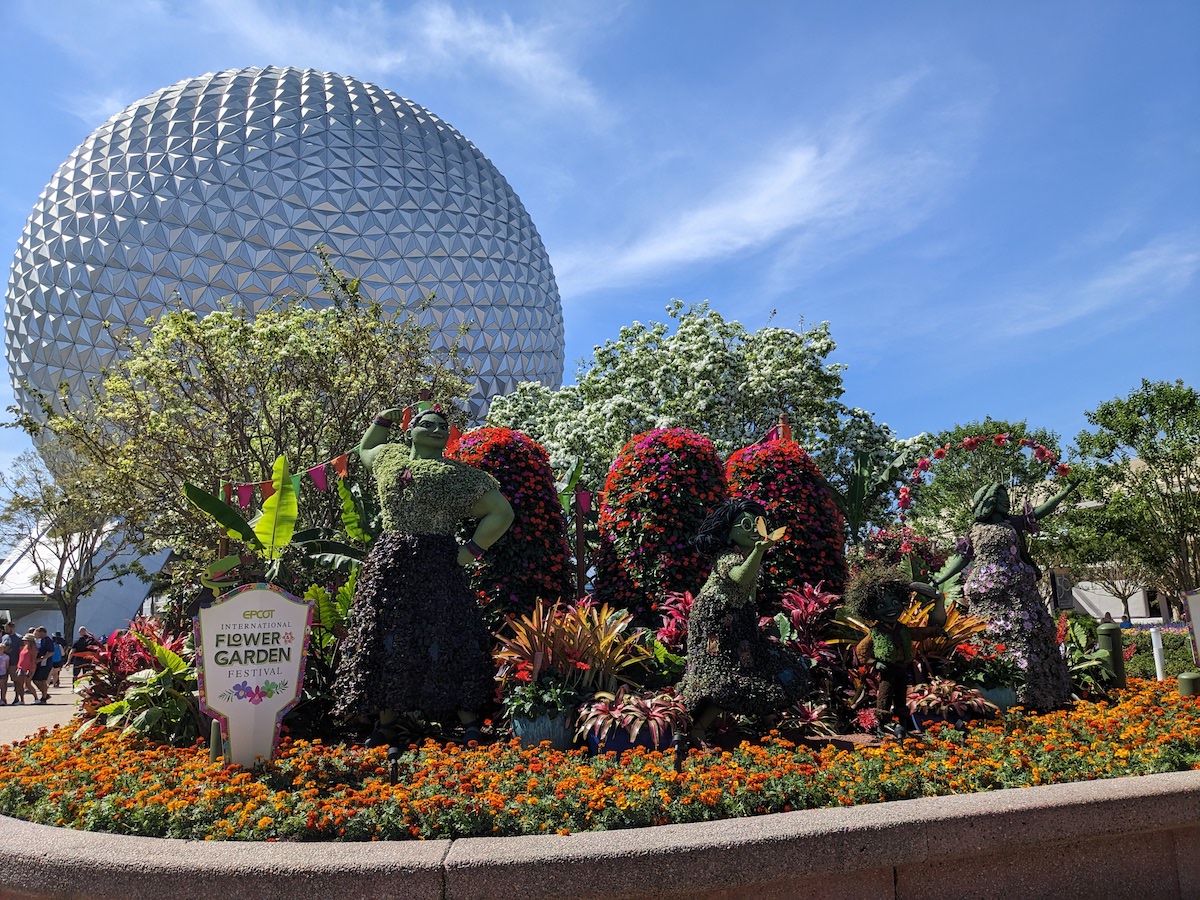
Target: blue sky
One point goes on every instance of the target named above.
(996, 206)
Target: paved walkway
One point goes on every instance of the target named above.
(18, 722)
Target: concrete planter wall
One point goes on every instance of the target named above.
(1127, 837)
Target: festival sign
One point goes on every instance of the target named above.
(251, 648)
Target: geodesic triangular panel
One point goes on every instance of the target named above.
(223, 185)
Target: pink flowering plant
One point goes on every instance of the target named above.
(781, 476)
(657, 494)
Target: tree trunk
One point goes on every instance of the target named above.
(68, 610)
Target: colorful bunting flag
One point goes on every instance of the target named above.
(317, 475)
(245, 493)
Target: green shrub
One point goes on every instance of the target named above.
(1177, 649)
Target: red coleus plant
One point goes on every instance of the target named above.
(803, 623)
(658, 492)
(123, 654)
(785, 480)
(674, 610)
(531, 560)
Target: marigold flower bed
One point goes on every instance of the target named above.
(317, 792)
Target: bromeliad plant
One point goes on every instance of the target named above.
(592, 647)
(944, 698)
(661, 713)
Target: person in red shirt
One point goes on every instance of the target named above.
(26, 666)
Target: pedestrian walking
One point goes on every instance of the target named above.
(81, 654)
(10, 648)
(61, 651)
(41, 675)
(26, 666)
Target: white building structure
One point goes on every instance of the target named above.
(110, 606)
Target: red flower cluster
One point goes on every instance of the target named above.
(1041, 453)
(785, 480)
(657, 494)
(531, 561)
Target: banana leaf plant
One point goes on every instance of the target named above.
(868, 479)
(268, 534)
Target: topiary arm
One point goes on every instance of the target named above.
(953, 566)
(937, 615)
(376, 435)
(744, 573)
(1044, 509)
(495, 515)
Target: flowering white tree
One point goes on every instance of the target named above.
(712, 376)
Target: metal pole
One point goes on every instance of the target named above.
(1160, 658)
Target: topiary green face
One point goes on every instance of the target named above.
(879, 593)
(428, 434)
(743, 532)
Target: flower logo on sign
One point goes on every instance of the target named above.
(256, 694)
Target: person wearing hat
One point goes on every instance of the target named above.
(81, 653)
(45, 662)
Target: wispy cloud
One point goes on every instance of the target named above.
(96, 107)
(1130, 287)
(857, 179)
(364, 39)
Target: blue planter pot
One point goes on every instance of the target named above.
(618, 741)
(558, 730)
(1003, 697)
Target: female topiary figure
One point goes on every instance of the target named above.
(658, 492)
(531, 560)
(415, 639)
(1002, 588)
(785, 481)
(731, 666)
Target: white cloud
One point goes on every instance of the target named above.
(363, 39)
(1136, 283)
(94, 108)
(872, 172)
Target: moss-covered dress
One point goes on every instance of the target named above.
(730, 663)
(415, 637)
(1001, 587)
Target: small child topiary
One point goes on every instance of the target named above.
(785, 480)
(658, 492)
(531, 560)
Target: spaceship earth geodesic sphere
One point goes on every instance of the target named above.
(222, 186)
